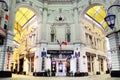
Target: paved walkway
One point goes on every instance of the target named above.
(26, 77)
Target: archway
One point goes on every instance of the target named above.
(26, 31)
(96, 14)
(94, 28)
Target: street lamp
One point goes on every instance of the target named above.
(110, 18)
(6, 6)
(114, 37)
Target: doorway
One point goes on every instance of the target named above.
(61, 69)
(60, 66)
(21, 65)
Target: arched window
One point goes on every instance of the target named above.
(52, 34)
(68, 35)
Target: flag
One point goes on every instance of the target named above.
(60, 43)
(64, 42)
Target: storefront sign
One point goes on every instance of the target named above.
(59, 51)
(2, 32)
(8, 61)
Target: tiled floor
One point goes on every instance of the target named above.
(26, 77)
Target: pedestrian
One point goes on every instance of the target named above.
(48, 72)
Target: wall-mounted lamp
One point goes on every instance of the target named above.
(110, 18)
(6, 6)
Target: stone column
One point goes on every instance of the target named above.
(73, 65)
(96, 65)
(30, 65)
(77, 28)
(48, 63)
(26, 64)
(114, 40)
(37, 60)
(104, 65)
(12, 13)
(44, 26)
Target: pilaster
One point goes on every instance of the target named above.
(11, 15)
(96, 62)
(104, 65)
(38, 60)
(44, 25)
(73, 65)
(48, 63)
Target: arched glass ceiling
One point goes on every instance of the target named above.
(23, 15)
(98, 14)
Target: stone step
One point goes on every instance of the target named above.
(60, 74)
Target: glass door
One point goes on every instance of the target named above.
(60, 66)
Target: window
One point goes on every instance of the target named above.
(52, 34)
(90, 62)
(68, 35)
(52, 37)
(90, 37)
(86, 37)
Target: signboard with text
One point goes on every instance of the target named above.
(59, 51)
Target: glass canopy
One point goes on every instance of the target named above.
(98, 14)
(23, 15)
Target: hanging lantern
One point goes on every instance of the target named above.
(110, 20)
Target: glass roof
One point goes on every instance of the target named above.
(98, 14)
(23, 15)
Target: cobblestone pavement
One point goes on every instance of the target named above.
(94, 77)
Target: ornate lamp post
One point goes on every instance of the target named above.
(110, 18)
(114, 39)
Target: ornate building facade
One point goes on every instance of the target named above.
(62, 36)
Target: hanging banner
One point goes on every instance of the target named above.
(8, 61)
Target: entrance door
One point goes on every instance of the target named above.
(21, 65)
(61, 68)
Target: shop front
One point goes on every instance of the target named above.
(60, 62)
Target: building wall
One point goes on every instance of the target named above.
(114, 40)
(48, 17)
